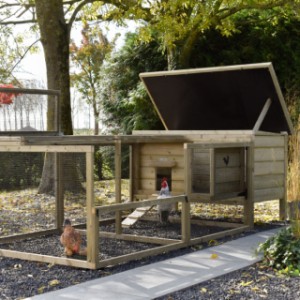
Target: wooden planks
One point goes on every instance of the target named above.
(135, 216)
(269, 167)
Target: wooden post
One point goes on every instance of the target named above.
(118, 183)
(135, 170)
(59, 191)
(185, 205)
(212, 172)
(249, 201)
(91, 214)
(283, 201)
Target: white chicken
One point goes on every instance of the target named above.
(164, 209)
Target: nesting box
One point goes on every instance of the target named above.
(231, 125)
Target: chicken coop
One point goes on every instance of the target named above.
(225, 141)
(236, 124)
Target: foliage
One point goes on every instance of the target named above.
(293, 179)
(88, 60)
(7, 98)
(126, 103)
(179, 24)
(13, 48)
(282, 252)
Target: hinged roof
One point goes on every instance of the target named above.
(241, 97)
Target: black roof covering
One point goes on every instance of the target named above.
(219, 98)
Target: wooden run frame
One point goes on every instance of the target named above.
(86, 145)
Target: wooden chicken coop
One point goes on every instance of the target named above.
(237, 123)
(225, 141)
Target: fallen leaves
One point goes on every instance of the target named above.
(243, 283)
(214, 256)
(54, 282)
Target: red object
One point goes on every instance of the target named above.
(76, 249)
(164, 182)
(6, 97)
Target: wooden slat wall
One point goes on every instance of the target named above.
(228, 176)
(201, 170)
(269, 168)
(153, 156)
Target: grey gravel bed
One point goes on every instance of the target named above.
(252, 283)
(20, 279)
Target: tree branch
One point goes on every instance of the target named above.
(226, 12)
(23, 55)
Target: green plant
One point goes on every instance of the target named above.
(282, 252)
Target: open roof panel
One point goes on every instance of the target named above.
(241, 97)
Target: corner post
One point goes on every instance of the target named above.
(92, 230)
(185, 205)
(249, 201)
(118, 183)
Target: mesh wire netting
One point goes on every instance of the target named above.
(27, 191)
(26, 112)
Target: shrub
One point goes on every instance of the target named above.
(282, 252)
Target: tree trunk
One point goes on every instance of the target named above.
(187, 49)
(55, 37)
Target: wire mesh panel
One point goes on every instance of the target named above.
(28, 190)
(23, 208)
(23, 110)
(73, 181)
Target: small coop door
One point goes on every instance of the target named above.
(160, 174)
(218, 172)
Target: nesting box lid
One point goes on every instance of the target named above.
(240, 97)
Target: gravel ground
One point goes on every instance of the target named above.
(252, 283)
(34, 278)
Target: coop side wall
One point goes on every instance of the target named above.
(269, 167)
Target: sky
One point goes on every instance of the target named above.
(33, 65)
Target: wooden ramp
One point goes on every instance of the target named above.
(135, 216)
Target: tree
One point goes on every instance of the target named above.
(55, 19)
(88, 60)
(179, 24)
(126, 103)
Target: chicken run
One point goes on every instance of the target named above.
(220, 146)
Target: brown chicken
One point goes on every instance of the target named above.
(71, 240)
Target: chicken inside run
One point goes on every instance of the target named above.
(29, 217)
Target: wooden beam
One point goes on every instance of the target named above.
(218, 235)
(22, 236)
(118, 184)
(212, 171)
(249, 202)
(135, 204)
(138, 238)
(47, 259)
(45, 148)
(262, 115)
(91, 214)
(103, 140)
(59, 191)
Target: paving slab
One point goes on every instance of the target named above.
(161, 278)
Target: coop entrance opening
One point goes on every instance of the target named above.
(160, 174)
